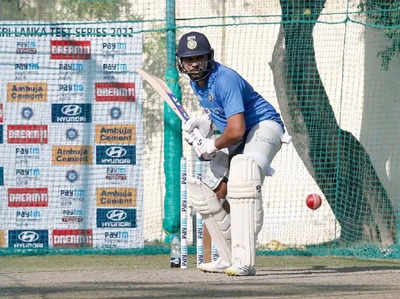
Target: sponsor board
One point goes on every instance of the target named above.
(116, 218)
(116, 197)
(26, 47)
(27, 134)
(71, 113)
(27, 217)
(70, 49)
(24, 154)
(26, 66)
(71, 67)
(113, 48)
(72, 238)
(28, 239)
(76, 87)
(27, 197)
(71, 155)
(115, 134)
(69, 71)
(71, 91)
(70, 196)
(115, 155)
(27, 175)
(72, 215)
(2, 239)
(114, 67)
(32, 140)
(116, 174)
(25, 69)
(116, 239)
(115, 92)
(26, 92)
(73, 194)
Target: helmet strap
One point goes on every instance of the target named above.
(207, 71)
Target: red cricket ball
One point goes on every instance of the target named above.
(313, 201)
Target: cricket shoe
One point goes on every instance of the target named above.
(218, 266)
(236, 270)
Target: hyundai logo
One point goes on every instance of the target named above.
(28, 236)
(116, 152)
(116, 215)
(71, 110)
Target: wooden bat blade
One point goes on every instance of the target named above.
(162, 89)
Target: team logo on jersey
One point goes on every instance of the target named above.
(210, 97)
(191, 42)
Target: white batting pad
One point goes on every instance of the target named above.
(244, 190)
(219, 228)
(217, 220)
(202, 198)
(259, 215)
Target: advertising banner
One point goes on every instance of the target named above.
(70, 134)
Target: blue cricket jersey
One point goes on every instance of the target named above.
(227, 93)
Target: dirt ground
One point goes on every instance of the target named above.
(150, 277)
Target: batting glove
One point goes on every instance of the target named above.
(204, 147)
(189, 137)
(202, 122)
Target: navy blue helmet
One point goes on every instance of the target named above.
(195, 44)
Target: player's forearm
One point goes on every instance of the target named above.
(228, 138)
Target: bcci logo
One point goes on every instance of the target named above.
(191, 42)
(72, 176)
(71, 133)
(27, 113)
(115, 112)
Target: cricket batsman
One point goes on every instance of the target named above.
(252, 134)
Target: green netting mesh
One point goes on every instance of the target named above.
(331, 69)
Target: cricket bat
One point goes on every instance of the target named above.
(162, 89)
(166, 94)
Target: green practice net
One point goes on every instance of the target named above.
(329, 67)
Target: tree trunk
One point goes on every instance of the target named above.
(334, 157)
